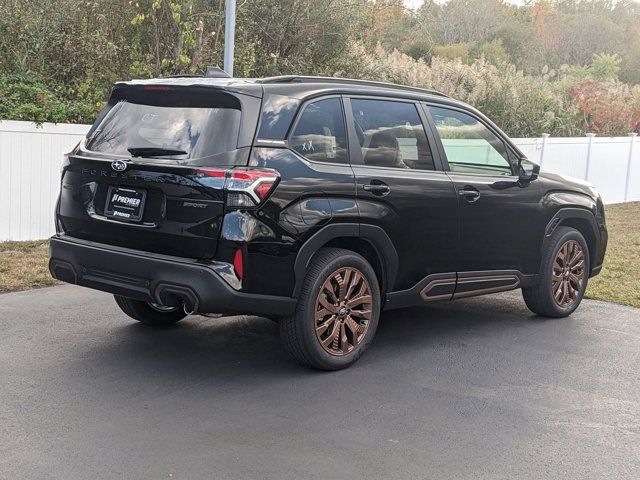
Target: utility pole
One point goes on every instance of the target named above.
(229, 36)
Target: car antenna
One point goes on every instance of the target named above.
(215, 72)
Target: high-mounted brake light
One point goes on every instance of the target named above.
(246, 187)
(157, 87)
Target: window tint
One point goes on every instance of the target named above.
(320, 134)
(391, 134)
(470, 146)
(199, 126)
(277, 114)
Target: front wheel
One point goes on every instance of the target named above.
(149, 313)
(564, 275)
(337, 312)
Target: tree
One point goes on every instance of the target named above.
(454, 51)
(301, 36)
(494, 52)
(604, 68)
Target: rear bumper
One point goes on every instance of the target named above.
(155, 278)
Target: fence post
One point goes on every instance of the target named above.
(586, 170)
(628, 180)
(544, 144)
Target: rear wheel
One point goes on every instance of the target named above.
(150, 313)
(564, 275)
(337, 312)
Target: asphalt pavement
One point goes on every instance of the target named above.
(474, 389)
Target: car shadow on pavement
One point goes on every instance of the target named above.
(200, 349)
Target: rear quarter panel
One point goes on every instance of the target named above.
(307, 197)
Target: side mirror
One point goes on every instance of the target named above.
(529, 171)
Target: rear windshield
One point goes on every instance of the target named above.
(168, 124)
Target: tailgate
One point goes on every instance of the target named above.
(146, 207)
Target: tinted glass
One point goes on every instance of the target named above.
(470, 146)
(391, 134)
(320, 134)
(163, 120)
(277, 114)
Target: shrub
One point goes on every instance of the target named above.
(522, 105)
(454, 51)
(494, 52)
(604, 68)
(607, 109)
(26, 98)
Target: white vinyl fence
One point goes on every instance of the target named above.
(612, 164)
(30, 158)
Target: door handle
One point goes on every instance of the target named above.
(470, 194)
(377, 188)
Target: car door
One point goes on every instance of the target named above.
(401, 187)
(497, 211)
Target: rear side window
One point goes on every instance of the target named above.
(277, 114)
(391, 134)
(320, 134)
(170, 124)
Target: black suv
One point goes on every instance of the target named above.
(317, 202)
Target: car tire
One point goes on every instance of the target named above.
(337, 311)
(562, 285)
(150, 314)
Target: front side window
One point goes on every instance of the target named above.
(470, 146)
(391, 134)
(320, 134)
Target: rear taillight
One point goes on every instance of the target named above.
(213, 173)
(246, 187)
(211, 178)
(252, 183)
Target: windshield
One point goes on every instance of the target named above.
(168, 125)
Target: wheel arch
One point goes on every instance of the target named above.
(580, 219)
(370, 241)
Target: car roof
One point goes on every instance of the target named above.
(302, 88)
(296, 86)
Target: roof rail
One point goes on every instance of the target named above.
(349, 81)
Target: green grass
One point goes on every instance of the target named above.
(619, 281)
(23, 265)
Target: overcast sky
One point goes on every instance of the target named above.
(417, 3)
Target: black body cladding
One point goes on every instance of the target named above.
(430, 228)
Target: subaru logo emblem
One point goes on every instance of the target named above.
(119, 166)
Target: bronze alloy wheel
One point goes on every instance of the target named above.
(568, 274)
(343, 311)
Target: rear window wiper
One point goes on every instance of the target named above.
(154, 152)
